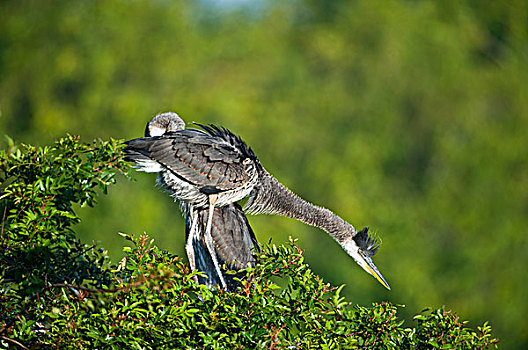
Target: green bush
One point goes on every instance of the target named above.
(58, 292)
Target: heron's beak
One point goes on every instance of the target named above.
(373, 270)
(364, 261)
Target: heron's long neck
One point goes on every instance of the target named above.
(271, 197)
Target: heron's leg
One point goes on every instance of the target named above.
(209, 239)
(212, 201)
(191, 237)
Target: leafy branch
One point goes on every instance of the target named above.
(57, 292)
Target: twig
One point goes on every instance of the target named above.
(3, 222)
(15, 342)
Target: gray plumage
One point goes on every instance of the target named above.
(194, 164)
(231, 242)
(234, 241)
(162, 123)
(211, 168)
(271, 197)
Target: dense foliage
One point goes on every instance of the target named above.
(409, 117)
(58, 292)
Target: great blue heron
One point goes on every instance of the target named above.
(230, 242)
(211, 167)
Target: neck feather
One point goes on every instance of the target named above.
(271, 197)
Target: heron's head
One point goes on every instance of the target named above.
(362, 248)
(163, 123)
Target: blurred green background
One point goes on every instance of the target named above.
(410, 117)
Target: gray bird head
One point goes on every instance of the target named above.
(362, 248)
(163, 123)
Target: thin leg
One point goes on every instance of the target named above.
(209, 239)
(191, 237)
(212, 201)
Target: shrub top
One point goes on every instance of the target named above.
(58, 292)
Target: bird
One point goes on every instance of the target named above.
(231, 243)
(209, 167)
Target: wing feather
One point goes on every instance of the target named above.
(196, 157)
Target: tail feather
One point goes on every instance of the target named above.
(137, 151)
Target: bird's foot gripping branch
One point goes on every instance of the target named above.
(57, 292)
